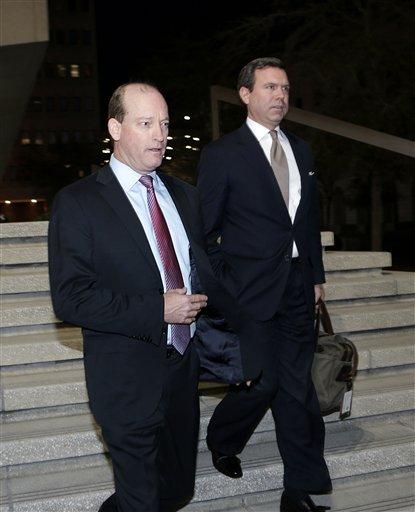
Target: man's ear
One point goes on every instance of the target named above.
(244, 94)
(114, 128)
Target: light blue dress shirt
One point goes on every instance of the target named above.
(136, 193)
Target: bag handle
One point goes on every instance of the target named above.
(323, 316)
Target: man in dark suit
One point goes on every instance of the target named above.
(125, 245)
(261, 215)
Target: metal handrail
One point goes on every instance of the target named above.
(325, 123)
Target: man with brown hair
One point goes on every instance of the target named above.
(261, 214)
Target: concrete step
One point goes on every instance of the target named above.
(335, 261)
(342, 287)
(62, 383)
(375, 492)
(62, 432)
(23, 230)
(24, 279)
(356, 316)
(338, 287)
(55, 344)
(27, 310)
(27, 252)
(373, 394)
(405, 281)
(385, 348)
(43, 386)
(382, 349)
(366, 316)
(80, 484)
(40, 229)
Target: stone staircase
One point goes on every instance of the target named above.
(53, 459)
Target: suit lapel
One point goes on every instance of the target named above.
(180, 201)
(113, 193)
(301, 164)
(254, 153)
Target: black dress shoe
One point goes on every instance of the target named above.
(229, 465)
(302, 504)
(109, 505)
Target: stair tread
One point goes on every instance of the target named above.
(86, 473)
(48, 424)
(46, 336)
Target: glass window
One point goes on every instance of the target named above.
(74, 70)
(35, 104)
(38, 139)
(58, 5)
(73, 37)
(63, 104)
(60, 37)
(87, 37)
(90, 136)
(61, 70)
(76, 104)
(50, 104)
(89, 103)
(64, 137)
(49, 70)
(25, 138)
(51, 137)
(87, 70)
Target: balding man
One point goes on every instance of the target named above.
(122, 244)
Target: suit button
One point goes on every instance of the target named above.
(287, 258)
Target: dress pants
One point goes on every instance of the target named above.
(154, 461)
(285, 385)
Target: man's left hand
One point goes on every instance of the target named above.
(319, 294)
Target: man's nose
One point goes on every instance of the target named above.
(158, 133)
(279, 93)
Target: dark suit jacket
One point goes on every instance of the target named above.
(104, 278)
(249, 231)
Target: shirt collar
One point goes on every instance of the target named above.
(260, 131)
(127, 176)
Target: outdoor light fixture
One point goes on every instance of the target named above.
(106, 151)
(168, 157)
(7, 201)
(186, 118)
(188, 147)
(187, 136)
(196, 138)
(33, 200)
(169, 147)
(169, 137)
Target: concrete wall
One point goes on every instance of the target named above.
(23, 40)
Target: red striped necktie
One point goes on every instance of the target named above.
(180, 333)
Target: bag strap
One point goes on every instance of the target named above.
(323, 316)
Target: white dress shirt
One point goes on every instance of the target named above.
(261, 133)
(136, 193)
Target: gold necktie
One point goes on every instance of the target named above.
(279, 165)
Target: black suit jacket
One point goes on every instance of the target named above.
(104, 278)
(250, 233)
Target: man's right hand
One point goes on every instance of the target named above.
(180, 308)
